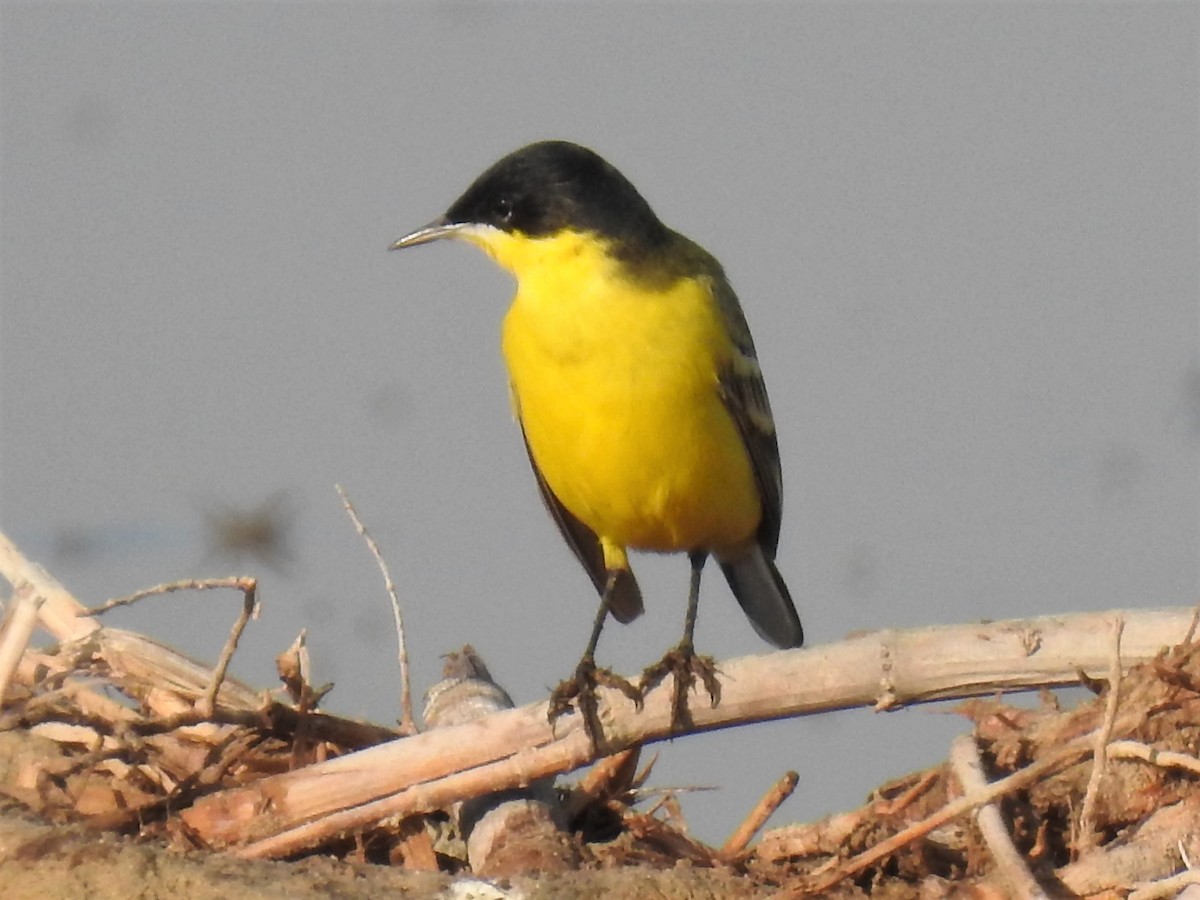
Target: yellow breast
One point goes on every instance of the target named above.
(616, 385)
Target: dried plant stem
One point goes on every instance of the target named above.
(1191, 632)
(61, 614)
(1087, 825)
(757, 817)
(513, 747)
(249, 588)
(18, 628)
(408, 723)
(968, 768)
(1167, 759)
(170, 587)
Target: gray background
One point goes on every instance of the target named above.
(965, 237)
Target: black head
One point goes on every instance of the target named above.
(550, 186)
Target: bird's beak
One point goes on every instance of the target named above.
(435, 230)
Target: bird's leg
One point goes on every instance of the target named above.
(682, 661)
(580, 688)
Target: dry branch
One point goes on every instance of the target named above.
(513, 748)
(1088, 837)
(968, 767)
(21, 619)
(757, 817)
(1168, 759)
(408, 724)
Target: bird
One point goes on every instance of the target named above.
(640, 398)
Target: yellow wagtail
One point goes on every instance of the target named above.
(635, 381)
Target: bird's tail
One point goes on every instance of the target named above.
(624, 595)
(760, 590)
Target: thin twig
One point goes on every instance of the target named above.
(1088, 836)
(1191, 632)
(171, 587)
(295, 671)
(609, 778)
(895, 805)
(1166, 759)
(17, 629)
(249, 588)
(968, 768)
(407, 722)
(757, 817)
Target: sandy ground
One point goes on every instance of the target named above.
(45, 862)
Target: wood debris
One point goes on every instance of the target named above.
(122, 734)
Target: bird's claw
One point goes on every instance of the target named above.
(685, 665)
(580, 691)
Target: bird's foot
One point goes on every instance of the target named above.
(580, 691)
(685, 665)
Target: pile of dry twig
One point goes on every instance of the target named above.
(120, 732)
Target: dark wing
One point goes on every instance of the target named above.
(745, 395)
(625, 597)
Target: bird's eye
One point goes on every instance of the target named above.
(504, 210)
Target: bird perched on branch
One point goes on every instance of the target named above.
(639, 394)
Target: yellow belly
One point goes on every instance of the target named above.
(617, 392)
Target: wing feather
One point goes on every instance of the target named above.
(745, 395)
